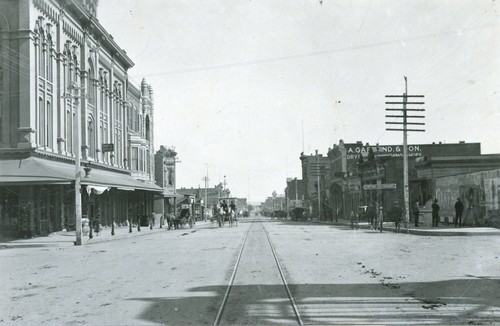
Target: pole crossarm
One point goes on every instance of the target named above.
(397, 129)
(404, 123)
(404, 102)
(404, 95)
(401, 116)
(415, 110)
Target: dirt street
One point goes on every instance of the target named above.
(336, 276)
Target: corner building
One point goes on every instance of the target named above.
(356, 180)
(47, 47)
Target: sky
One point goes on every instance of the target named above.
(242, 87)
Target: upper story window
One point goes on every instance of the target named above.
(44, 49)
(90, 88)
(148, 129)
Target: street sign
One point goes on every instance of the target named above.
(379, 186)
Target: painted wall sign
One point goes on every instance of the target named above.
(354, 152)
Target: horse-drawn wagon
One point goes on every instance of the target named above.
(226, 212)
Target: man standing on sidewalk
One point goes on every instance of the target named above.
(416, 212)
(435, 213)
(459, 209)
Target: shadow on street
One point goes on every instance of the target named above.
(474, 300)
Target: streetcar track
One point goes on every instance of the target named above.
(235, 269)
(289, 293)
(231, 281)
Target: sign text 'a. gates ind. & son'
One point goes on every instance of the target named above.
(380, 151)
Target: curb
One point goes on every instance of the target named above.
(63, 239)
(479, 231)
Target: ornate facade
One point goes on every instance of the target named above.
(57, 61)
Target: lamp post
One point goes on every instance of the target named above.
(77, 148)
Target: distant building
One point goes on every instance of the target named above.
(274, 205)
(165, 177)
(314, 177)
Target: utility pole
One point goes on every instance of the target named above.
(206, 197)
(176, 160)
(318, 171)
(405, 130)
(77, 148)
(224, 189)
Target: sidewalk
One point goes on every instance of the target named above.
(67, 239)
(443, 230)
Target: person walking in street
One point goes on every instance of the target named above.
(416, 212)
(459, 209)
(396, 215)
(435, 213)
(371, 214)
(354, 220)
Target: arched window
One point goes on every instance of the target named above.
(90, 84)
(91, 137)
(49, 137)
(148, 131)
(41, 123)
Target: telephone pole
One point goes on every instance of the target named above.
(77, 90)
(206, 197)
(404, 110)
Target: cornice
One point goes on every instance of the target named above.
(47, 9)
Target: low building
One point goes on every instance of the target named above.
(474, 179)
(206, 199)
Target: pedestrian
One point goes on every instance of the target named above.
(354, 220)
(371, 213)
(152, 221)
(416, 212)
(459, 209)
(380, 218)
(435, 213)
(138, 222)
(396, 214)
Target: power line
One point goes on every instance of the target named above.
(299, 56)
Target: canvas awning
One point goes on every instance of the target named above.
(117, 180)
(168, 193)
(35, 170)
